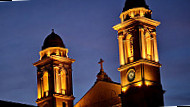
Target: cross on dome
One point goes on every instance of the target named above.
(101, 64)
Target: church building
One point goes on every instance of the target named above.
(139, 67)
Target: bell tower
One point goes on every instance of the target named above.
(54, 74)
(139, 62)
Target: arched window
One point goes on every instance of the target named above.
(149, 46)
(60, 81)
(130, 50)
(41, 91)
(64, 104)
(53, 53)
(45, 83)
(63, 81)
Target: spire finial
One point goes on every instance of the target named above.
(101, 64)
(102, 76)
(52, 30)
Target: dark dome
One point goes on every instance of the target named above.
(53, 40)
(129, 4)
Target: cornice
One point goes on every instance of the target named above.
(38, 101)
(135, 19)
(53, 58)
(42, 62)
(142, 61)
(64, 96)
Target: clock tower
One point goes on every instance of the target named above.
(139, 62)
(54, 74)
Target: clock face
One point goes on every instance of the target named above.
(131, 75)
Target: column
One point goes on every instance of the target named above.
(121, 52)
(39, 88)
(155, 47)
(125, 51)
(55, 86)
(57, 81)
(128, 50)
(143, 49)
(63, 82)
(148, 46)
(152, 48)
(42, 87)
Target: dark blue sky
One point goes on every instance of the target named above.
(86, 29)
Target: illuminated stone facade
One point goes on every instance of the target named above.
(54, 74)
(104, 93)
(140, 67)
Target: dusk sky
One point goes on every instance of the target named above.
(86, 29)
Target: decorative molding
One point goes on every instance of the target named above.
(65, 97)
(141, 61)
(136, 19)
(53, 58)
(38, 101)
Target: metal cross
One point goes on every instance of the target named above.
(101, 64)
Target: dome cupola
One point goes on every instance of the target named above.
(53, 46)
(129, 4)
(53, 40)
(134, 9)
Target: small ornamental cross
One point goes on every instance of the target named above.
(53, 30)
(101, 64)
